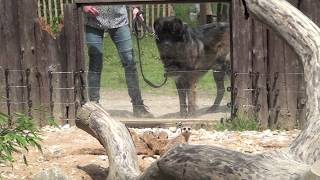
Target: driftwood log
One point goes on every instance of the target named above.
(299, 161)
(115, 138)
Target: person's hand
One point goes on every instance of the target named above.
(135, 11)
(91, 10)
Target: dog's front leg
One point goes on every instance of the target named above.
(219, 79)
(191, 94)
(182, 98)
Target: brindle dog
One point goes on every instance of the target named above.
(188, 53)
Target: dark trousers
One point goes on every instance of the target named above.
(122, 38)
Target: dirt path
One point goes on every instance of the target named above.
(161, 106)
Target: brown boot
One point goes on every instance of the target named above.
(140, 111)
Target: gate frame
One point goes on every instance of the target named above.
(75, 18)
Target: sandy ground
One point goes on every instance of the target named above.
(81, 157)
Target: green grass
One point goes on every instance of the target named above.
(240, 123)
(113, 73)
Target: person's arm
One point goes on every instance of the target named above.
(135, 10)
(91, 10)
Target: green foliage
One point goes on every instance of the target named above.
(55, 26)
(52, 122)
(182, 11)
(239, 123)
(17, 139)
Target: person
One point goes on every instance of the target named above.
(114, 20)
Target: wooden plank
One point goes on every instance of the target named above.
(80, 61)
(101, 2)
(147, 15)
(71, 24)
(259, 63)
(152, 15)
(3, 106)
(51, 56)
(40, 85)
(163, 10)
(55, 9)
(277, 86)
(50, 12)
(44, 8)
(27, 15)
(282, 86)
(242, 61)
(158, 11)
(61, 8)
(292, 70)
(13, 55)
(39, 8)
(152, 123)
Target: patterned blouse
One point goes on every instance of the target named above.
(109, 17)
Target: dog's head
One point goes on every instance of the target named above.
(171, 41)
(169, 30)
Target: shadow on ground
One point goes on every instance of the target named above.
(96, 172)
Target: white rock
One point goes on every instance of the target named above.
(66, 126)
(56, 151)
(103, 157)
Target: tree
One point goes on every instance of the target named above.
(188, 162)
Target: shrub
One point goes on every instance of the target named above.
(17, 139)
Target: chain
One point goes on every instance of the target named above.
(6, 73)
(82, 87)
(28, 92)
(51, 94)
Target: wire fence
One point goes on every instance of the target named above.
(112, 96)
(113, 99)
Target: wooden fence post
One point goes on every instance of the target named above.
(74, 41)
(242, 62)
(259, 74)
(11, 58)
(27, 15)
(70, 21)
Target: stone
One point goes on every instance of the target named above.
(53, 173)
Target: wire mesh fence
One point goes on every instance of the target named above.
(163, 103)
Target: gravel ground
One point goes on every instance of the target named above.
(80, 156)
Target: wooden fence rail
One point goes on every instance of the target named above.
(52, 11)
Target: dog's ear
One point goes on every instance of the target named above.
(157, 26)
(177, 25)
(184, 33)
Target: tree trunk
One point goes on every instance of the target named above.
(206, 162)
